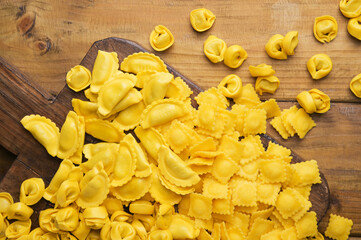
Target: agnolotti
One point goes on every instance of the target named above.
(156, 87)
(133, 190)
(162, 111)
(124, 166)
(129, 118)
(43, 130)
(175, 170)
(141, 62)
(103, 130)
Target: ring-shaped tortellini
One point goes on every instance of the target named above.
(103, 130)
(325, 28)
(129, 118)
(142, 62)
(314, 101)
(84, 108)
(261, 70)
(354, 27)
(95, 217)
(19, 211)
(124, 165)
(151, 140)
(267, 84)
(140, 229)
(141, 207)
(121, 216)
(132, 190)
(214, 48)
(82, 231)
(161, 38)
(67, 193)
(36, 234)
(156, 87)
(202, 19)
(94, 187)
(17, 229)
(5, 201)
(66, 219)
(118, 230)
(47, 220)
(355, 85)
(290, 42)
(43, 130)
(160, 235)
(105, 65)
(319, 66)
(4, 223)
(274, 47)
(70, 138)
(175, 170)
(107, 155)
(78, 78)
(350, 8)
(234, 56)
(231, 86)
(111, 93)
(182, 227)
(32, 190)
(162, 111)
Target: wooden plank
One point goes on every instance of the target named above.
(45, 49)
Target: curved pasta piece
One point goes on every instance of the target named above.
(69, 140)
(321, 100)
(93, 97)
(350, 8)
(121, 75)
(124, 166)
(325, 28)
(32, 190)
(91, 150)
(160, 235)
(120, 216)
(47, 220)
(290, 42)
(261, 70)
(212, 95)
(274, 47)
(214, 48)
(19, 211)
(67, 193)
(133, 190)
(178, 89)
(159, 192)
(17, 229)
(231, 86)
(84, 108)
(142, 164)
(5, 201)
(95, 217)
(44, 131)
(129, 118)
(164, 214)
(141, 62)
(354, 27)
(306, 102)
(66, 219)
(234, 56)
(355, 85)
(105, 65)
(111, 93)
(131, 98)
(94, 187)
(267, 84)
(175, 170)
(151, 140)
(156, 87)
(248, 97)
(174, 188)
(78, 78)
(118, 230)
(82, 231)
(103, 130)
(202, 19)
(107, 156)
(319, 66)
(161, 38)
(36, 234)
(162, 111)
(65, 167)
(141, 207)
(77, 157)
(182, 227)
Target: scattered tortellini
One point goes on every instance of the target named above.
(161, 38)
(354, 27)
(325, 28)
(214, 48)
(355, 85)
(314, 100)
(182, 173)
(279, 46)
(350, 8)
(319, 66)
(234, 56)
(202, 19)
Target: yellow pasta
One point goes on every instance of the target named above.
(355, 85)
(141, 62)
(267, 84)
(231, 86)
(214, 48)
(338, 227)
(19, 211)
(234, 56)
(354, 27)
(200, 206)
(95, 217)
(17, 229)
(290, 42)
(319, 66)
(161, 38)
(261, 70)
(351, 8)
(274, 47)
(66, 219)
(325, 28)
(307, 225)
(32, 190)
(202, 19)
(78, 78)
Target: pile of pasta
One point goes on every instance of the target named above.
(181, 173)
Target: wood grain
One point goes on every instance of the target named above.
(20, 99)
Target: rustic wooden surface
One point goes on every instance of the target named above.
(44, 39)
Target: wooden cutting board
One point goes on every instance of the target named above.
(18, 97)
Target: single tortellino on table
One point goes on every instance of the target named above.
(234, 56)
(214, 48)
(274, 47)
(314, 100)
(355, 85)
(354, 27)
(202, 19)
(267, 84)
(32, 190)
(78, 78)
(350, 8)
(261, 70)
(161, 38)
(325, 28)
(319, 66)
(231, 86)
(290, 42)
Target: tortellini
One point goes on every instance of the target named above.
(261, 70)
(350, 8)
(267, 84)
(319, 66)
(274, 47)
(234, 56)
(5, 201)
(202, 19)
(355, 85)
(78, 78)
(161, 38)
(314, 100)
(231, 86)
(19, 211)
(354, 27)
(214, 48)
(32, 190)
(17, 229)
(290, 42)
(325, 28)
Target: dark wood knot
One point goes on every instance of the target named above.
(42, 45)
(26, 22)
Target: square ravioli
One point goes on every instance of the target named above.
(338, 227)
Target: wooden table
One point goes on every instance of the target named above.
(44, 39)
